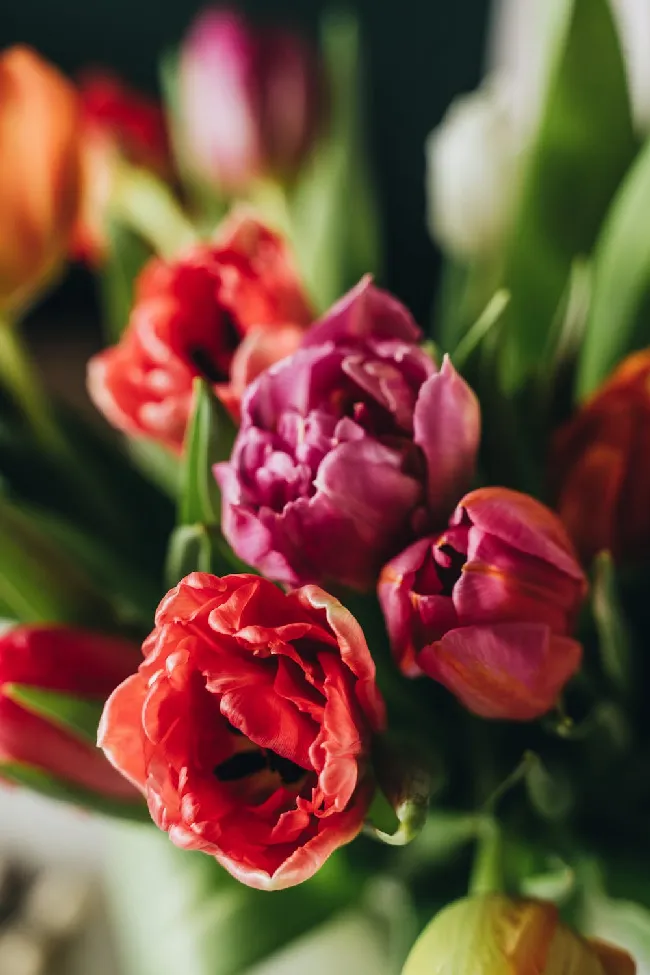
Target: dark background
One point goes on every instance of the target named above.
(420, 53)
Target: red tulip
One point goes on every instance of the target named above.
(116, 122)
(488, 607)
(599, 463)
(251, 100)
(248, 725)
(74, 663)
(224, 311)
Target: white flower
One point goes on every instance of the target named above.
(473, 171)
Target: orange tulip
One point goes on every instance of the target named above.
(601, 469)
(39, 167)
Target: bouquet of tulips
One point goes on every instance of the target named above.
(353, 610)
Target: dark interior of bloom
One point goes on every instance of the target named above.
(212, 359)
(243, 764)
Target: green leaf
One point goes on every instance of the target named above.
(177, 911)
(157, 464)
(38, 780)
(209, 439)
(615, 641)
(471, 341)
(126, 255)
(38, 581)
(582, 150)
(335, 223)
(75, 714)
(621, 281)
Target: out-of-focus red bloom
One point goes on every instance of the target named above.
(487, 608)
(248, 725)
(224, 311)
(39, 173)
(116, 123)
(251, 100)
(75, 663)
(600, 466)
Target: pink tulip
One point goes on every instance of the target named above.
(251, 99)
(348, 449)
(488, 607)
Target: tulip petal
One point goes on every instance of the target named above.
(524, 524)
(614, 961)
(119, 732)
(509, 671)
(447, 427)
(365, 312)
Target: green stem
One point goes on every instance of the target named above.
(147, 205)
(21, 381)
(487, 872)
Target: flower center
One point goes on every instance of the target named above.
(243, 764)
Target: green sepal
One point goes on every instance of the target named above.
(209, 439)
(38, 780)
(576, 163)
(75, 714)
(406, 781)
(621, 281)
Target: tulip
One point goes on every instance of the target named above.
(223, 311)
(497, 935)
(473, 170)
(249, 724)
(117, 123)
(250, 100)
(599, 465)
(39, 163)
(43, 663)
(487, 607)
(347, 448)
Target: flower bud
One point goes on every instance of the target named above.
(116, 122)
(251, 100)
(51, 679)
(599, 464)
(39, 163)
(473, 172)
(487, 608)
(496, 935)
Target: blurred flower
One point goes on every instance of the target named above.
(599, 464)
(347, 448)
(473, 172)
(74, 663)
(39, 163)
(488, 606)
(224, 310)
(248, 725)
(116, 123)
(496, 935)
(251, 100)
(518, 48)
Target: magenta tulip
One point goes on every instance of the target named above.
(348, 449)
(488, 607)
(251, 100)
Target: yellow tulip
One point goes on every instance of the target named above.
(497, 935)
